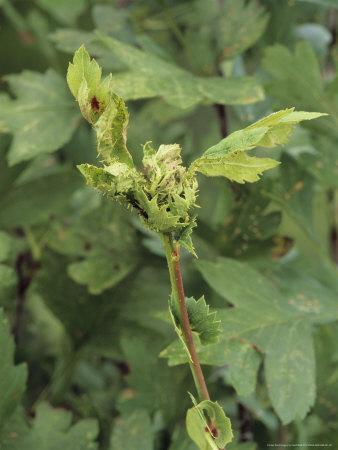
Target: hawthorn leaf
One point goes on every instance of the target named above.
(206, 436)
(101, 107)
(202, 321)
(250, 226)
(297, 80)
(83, 68)
(12, 378)
(151, 76)
(227, 158)
(241, 358)
(37, 200)
(185, 90)
(42, 118)
(183, 237)
(295, 194)
(133, 431)
(153, 384)
(279, 324)
(100, 270)
(64, 11)
(235, 166)
(51, 429)
(240, 25)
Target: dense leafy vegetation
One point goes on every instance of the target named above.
(84, 287)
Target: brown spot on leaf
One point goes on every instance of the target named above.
(95, 104)
(298, 186)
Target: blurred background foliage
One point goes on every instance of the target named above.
(84, 288)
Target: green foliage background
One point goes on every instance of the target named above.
(84, 289)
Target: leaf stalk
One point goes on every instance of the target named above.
(172, 253)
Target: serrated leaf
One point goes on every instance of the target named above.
(133, 431)
(238, 167)
(51, 430)
(227, 158)
(12, 378)
(42, 118)
(297, 79)
(101, 107)
(184, 239)
(207, 435)
(151, 76)
(240, 25)
(202, 321)
(83, 68)
(240, 357)
(279, 324)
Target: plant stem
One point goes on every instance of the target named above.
(173, 258)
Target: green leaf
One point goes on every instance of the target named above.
(35, 201)
(155, 386)
(12, 378)
(50, 430)
(227, 158)
(237, 167)
(101, 107)
(133, 431)
(211, 435)
(241, 358)
(202, 321)
(297, 79)
(151, 76)
(42, 118)
(7, 276)
(83, 69)
(295, 194)
(277, 323)
(63, 10)
(100, 270)
(183, 237)
(240, 25)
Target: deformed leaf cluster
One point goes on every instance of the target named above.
(164, 192)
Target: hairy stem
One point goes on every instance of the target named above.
(173, 258)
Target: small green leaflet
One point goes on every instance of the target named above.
(202, 321)
(101, 107)
(184, 239)
(208, 426)
(228, 157)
